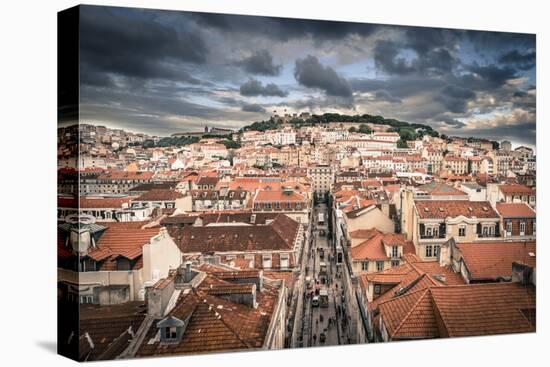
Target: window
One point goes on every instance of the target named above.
(429, 250)
(277, 205)
(377, 289)
(364, 265)
(534, 228)
(485, 231)
(437, 248)
(394, 251)
(429, 232)
(284, 261)
(509, 228)
(394, 263)
(170, 332)
(521, 228)
(256, 206)
(288, 205)
(268, 205)
(462, 231)
(123, 264)
(298, 205)
(379, 265)
(266, 261)
(87, 299)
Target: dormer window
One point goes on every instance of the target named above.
(171, 330)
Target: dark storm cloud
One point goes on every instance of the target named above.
(253, 108)
(131, 45)
(254, 87)
(284, 29)
(402, 87)
(155, 69)
(310, 73)
(524, 100)
(261, 63)
(386, 58)
(384, 95)
(523, 133)
(523, 61)
(453, 122)
(491, 76)
(454, 98)
(424, 40)
(429, 51)
(484, 41)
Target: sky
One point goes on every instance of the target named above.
(161, 72)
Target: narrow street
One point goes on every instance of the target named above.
(322, 318)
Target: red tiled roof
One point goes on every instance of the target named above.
(464, 310)
(515, 210)
(410, 316)
(442, 209)
(216, 324)
(121, 239)
(516, 189)
(489, 261)
(160, 195)
(277, 235)
(412, 276)
(106, 324)
(437, 188)
(93, 202)
(374, 247)
(126, 175)
(484, 309)
(281, 196)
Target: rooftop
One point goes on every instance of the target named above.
(441, 209)
(515, 210)
(277, 235)
(493, 260)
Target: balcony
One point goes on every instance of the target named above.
(432, 237)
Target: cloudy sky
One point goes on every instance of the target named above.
(161, 72)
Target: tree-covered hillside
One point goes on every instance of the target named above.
(406, 130)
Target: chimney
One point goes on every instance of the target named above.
(521, 273)
(445, 252)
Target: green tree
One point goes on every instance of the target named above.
(401, 144)
(365, 129)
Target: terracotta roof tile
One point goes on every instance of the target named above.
(465, 310)
(511, 189)
(484, 309)
(494, 259)
(442, 209)
(277, 235)
(160, 195)
(515, 210)
(374, 247)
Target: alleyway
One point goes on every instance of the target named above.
(322, 320)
